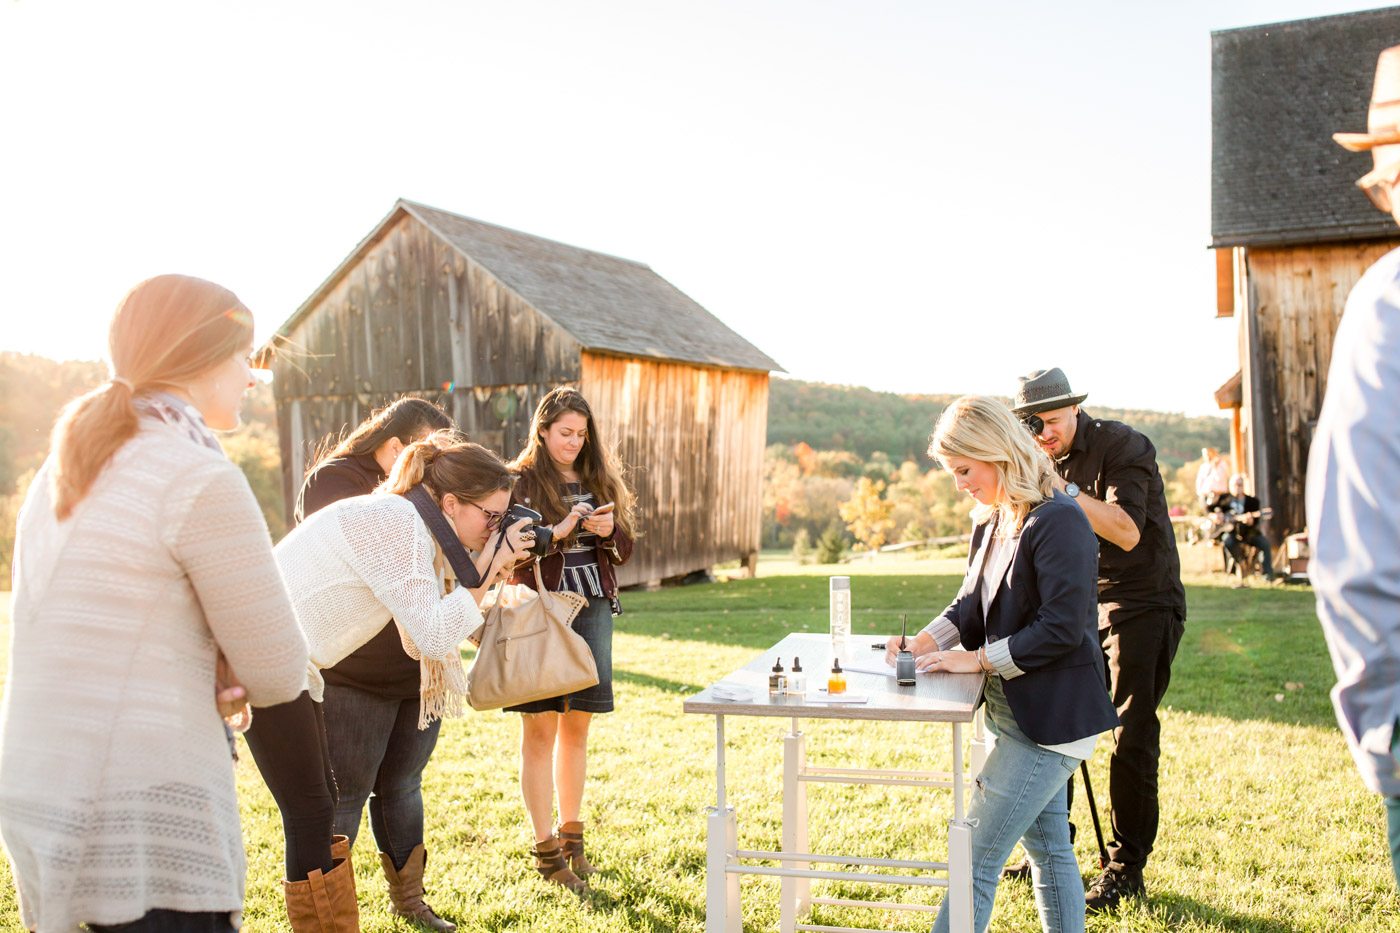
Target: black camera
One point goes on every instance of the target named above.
(542, 532)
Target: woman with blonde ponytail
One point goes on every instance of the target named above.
(392, 557)
(1027, 617)
(143, 577)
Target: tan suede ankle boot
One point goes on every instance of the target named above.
(406, 891)
(553, 867)
(571, 835)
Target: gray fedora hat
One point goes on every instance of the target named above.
(1044, 390)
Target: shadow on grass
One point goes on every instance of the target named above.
(658, 683)
(1176, 911)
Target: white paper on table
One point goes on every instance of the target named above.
(732, 693)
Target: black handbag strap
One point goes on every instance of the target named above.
(452, 547)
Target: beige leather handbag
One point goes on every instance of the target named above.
(529, 650)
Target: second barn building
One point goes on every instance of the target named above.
(485, 320)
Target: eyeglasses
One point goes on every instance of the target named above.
(1376, 185)
(1034, 423)
(493, 519)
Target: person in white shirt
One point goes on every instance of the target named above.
(1027, 617)
(143, 570)
(1212, 477)
(1353, 473)
(352, 567)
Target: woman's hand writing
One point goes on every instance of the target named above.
(922, 643)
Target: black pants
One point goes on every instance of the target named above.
(289, 744)
(171, 921)
(1139, 645)
(379, 754)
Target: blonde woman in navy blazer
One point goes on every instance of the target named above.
(1027, 616)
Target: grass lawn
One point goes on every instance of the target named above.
(1265, 824)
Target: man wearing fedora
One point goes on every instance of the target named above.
(1353, 472)
(1111, 471)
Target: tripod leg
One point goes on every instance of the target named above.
(1094, 813)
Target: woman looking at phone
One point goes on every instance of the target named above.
(350, 568)
(1027, 616)
(143, 571)
(575, 482)
(377, 750)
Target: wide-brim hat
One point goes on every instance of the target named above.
(1382, 136)
(1044, 390)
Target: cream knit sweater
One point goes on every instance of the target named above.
(116, 784)
(359, 562)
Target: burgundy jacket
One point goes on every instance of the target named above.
(611, 552)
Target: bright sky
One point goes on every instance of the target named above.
(913, 196)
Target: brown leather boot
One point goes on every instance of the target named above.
(552, 866)
(340, 847)
(571, 835)
(406, 891)
(324, 903)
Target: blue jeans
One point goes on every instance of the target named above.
(378, 754)
(1021, 795)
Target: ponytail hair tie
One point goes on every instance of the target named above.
(122, 381)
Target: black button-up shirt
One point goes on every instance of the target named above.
(1114, 463)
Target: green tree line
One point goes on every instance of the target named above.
(845, 465)
(848, 467)
(862, 422)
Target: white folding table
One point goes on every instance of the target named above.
(938, 698)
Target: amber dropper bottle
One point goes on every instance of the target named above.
(836, 683)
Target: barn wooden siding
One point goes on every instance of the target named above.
(1294, 296)
(410, 316)
(693, 437)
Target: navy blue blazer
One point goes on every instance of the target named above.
(1046, 604)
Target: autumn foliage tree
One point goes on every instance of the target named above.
(868, 514)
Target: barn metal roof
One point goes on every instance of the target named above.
(604, 302)
(1278, 93)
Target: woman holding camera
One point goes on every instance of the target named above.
(143, 571)
(350, 568)
(370, 703)
(1026, 616)
(575, 482)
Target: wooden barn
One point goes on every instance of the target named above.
(485, 320)
(1291, 231)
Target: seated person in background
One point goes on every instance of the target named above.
(1235, 517)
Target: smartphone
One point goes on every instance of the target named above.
(602, 509)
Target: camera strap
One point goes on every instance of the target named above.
(452, 547)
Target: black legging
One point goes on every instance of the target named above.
(288, 743)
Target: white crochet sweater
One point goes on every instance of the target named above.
(359, 562)
(116, 783)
